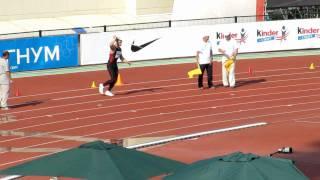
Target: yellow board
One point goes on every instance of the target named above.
(194, 72)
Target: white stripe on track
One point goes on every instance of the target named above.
(311, 122)
(250, 117)
(154, 115)
(147, 82)
(96, 94)
(197, 135)
(143, 95)
(150, 101)
(204, 124)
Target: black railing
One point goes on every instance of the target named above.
(149, 25)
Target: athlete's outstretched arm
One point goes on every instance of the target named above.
(124, 60)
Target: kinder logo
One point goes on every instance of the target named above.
(308, 33)
(272, 35)
(263, 36)
(221, 35)
(243, 36)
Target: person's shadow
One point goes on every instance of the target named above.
(28, 103)
(139, 91)
(240, 83)
(248, 82)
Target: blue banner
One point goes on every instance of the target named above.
(42, 52)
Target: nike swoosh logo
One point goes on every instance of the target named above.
(135, 48)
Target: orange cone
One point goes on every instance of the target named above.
(93, 84)
(250, 71)
(119, 81)
(17, 92)
(312, 66)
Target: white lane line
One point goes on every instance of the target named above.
(147, 82)
(154, 133)
(231, 120)
(310, 122)
(119, 92)
(140, 135)
(96, 94)
(193, 117)
(143, 95)
(156, 142)
(160, 100)
(196, 135)
(154, 115)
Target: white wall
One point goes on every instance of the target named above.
(25, 9)
(154, 6)
(193, 9)
(28, 9)
(142, 7)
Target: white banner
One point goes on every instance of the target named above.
(183, 41)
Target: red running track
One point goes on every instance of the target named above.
(161, 101)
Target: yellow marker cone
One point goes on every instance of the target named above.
(93, 84)
(312, 66)
(119, 81)
(194, 72)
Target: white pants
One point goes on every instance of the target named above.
(229, 79)
(4, 94)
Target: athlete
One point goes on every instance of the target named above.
(114, 55)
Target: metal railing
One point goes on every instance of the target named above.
(146, 25)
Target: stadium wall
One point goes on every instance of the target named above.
(26, 9)
(191, 9)
(160, 43)
(153, 6)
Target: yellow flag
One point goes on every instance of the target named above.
(228, 63)
(194, 72)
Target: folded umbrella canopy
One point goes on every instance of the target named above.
(97, 161)
(239, 166)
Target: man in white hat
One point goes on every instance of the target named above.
(229, 51)
(204, 59)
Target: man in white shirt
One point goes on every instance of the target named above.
(229, 50)
(5, 77)
(204, 60)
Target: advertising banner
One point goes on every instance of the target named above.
(41, 53)
(183, 41)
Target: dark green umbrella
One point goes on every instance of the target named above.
(97, 161)
(239, 166)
